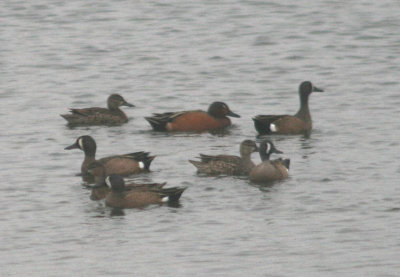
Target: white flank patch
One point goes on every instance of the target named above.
(108, 183)
(268, 147)
(272, 127)
(287, 170)
(141, 165)
(165, 199)
(80, 143)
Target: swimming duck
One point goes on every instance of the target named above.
(99, 192)
(193, 121)
(268, 170)
(300, 123)
(112, 115)
(227, 164)
(121, 197)
(126, 164)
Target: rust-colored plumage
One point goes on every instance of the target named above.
(193, 121)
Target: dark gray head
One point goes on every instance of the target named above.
(220, 109)
(266, 149)
(115, 182)
(116, 100)
(307, 87)
(86, 144)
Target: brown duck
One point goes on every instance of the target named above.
(121, 197)
(227, 164)
(300, 123)
(267, 170)
(193, 121)
(100, 192)
(112, 115)
(127, 164)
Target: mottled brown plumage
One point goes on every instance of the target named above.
(193, 121)
(228, 164)
(112, 115)
(300, 123)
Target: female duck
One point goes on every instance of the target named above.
(300, 123)
(112, 115)
(268, 170)
(131, 163)
(193, 121)
(227, 164)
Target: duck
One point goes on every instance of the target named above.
(269, 170)
(99, 192)
(122, 198)
(228, 164)
(132, 163)
(215, 118)
(300, 123)
(112, 115)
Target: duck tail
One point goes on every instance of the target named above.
(141, 157)
(156, 123)
(197, 164)
(147, 161)
(286, 163)
(261, 125)
(173, 194)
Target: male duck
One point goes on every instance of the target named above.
(98, 170)
(227, 164)
(121, 197)
(131, 163)
(100, 116)
(268, 170)
(300, 123)
(193, 121)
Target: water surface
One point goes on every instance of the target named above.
(337, 214)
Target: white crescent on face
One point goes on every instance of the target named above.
(108, 182)
(80, 143)
(272, 127)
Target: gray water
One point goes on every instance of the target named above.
(337, 215)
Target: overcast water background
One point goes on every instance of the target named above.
(337, 215)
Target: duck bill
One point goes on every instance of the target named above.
(276, 151)
(232, 114)
(128, 104)
(317, 89)
(72, 146)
